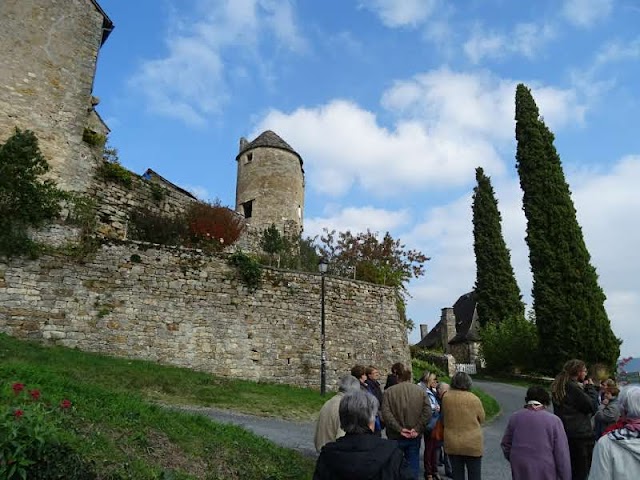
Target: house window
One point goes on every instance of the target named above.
(247, 208)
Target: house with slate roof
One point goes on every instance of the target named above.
(457, 332)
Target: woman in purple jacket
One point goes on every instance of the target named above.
(535, 442)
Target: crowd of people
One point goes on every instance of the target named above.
(593, 432)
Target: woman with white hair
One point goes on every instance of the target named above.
(360, 454)
(616, 456)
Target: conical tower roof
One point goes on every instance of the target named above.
(270, 139)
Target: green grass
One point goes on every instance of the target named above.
(116, 425)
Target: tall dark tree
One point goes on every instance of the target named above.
(496, 288)
(568, 302)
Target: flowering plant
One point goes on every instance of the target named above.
(28, 426)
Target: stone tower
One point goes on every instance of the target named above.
(47, 66)
(270, 185)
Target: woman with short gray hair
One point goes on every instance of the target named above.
(616, 456)
(360, 454)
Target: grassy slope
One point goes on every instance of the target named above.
(117, 425)
(126, 436)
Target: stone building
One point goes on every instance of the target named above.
(165, 304)
(270, 184)
(47, 67)
(457, 331)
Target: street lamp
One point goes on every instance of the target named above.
(322, 267)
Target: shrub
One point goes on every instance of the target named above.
(92, 138)
(248, 268)
(148, 226)
(213, 226)
(31, 437)
(110, 169)
(509, 346)
(26, 201)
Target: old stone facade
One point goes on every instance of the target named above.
(176, 306)
(49, 52)
(270, 184)
(168, 305)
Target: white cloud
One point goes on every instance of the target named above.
(357, 220)
(477, 102)
(192, 81)
(525, 39)
(199, 191)
(380, 160)
(605, 203)
(447, 124)
(401, 13)
(585, 13)
(617, 52)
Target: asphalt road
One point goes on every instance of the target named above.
(299, 435)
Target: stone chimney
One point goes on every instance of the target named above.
(448, 328)
(243, 143)
(424, 330)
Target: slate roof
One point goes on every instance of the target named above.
(150, 173)
(432, 339)
(464, 310)
(271, 139)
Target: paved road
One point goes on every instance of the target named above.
(299, 435)
(510, 398)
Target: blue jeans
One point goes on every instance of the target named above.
(411, 449)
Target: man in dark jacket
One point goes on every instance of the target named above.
(359, 454)
(575, 401)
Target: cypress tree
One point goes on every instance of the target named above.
(568, 302)
(496, 288)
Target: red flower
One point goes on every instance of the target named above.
(18, 413)
(35, 394)
(65, 404)
(17, 387)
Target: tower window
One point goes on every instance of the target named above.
(249, 157)
(247, 208)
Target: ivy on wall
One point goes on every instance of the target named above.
(26, 200)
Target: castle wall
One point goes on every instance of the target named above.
(49, 51)
(116, 201)
(274, 180)
(175, 306)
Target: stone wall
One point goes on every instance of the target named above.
(177, 306)
(116, 201)
(49, 51)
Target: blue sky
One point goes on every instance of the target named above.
(392, 104)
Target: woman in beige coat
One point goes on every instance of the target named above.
(463, 418)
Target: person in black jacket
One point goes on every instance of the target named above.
(397, 369)
(575, 401)
(359, 454)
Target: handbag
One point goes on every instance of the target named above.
(438, 431)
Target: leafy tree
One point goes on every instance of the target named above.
(364, 257)
(26, 200)
(496, 287)
(384, 262)
(510, 345)
(272, 242)
(568, 302)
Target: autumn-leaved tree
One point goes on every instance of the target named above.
(365, 257)
(568, 302)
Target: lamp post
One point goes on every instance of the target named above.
(322, 266)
